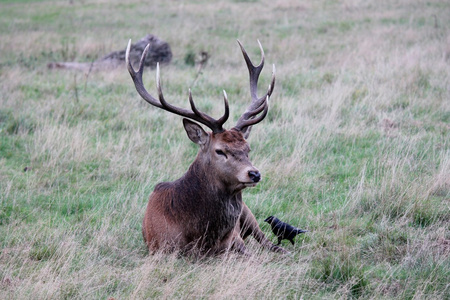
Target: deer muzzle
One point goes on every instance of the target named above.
(254, 176)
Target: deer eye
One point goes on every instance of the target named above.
(220, 152)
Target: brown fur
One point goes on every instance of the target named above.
(203, 212)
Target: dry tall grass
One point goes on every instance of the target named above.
(356, 148)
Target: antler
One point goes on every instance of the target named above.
(195, 114)
(250, 116)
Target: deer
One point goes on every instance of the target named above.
(202, 213)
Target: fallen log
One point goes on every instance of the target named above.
(159, 52)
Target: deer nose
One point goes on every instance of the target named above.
(255, 176)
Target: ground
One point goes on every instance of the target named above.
(355, 147)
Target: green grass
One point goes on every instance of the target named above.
(356, 148)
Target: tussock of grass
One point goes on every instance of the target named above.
(355, 148)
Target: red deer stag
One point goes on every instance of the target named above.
(202, 212)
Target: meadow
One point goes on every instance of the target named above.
(355, 148)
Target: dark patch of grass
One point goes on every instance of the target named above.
(14, 212)
(343, 269)
(7, 147)
(69, 290)
(430, 211)
(426, 278)
(343, 156)
(384, 245)
(77, 207)
(189, 57)
(297, 84)
(48, 16)
(12, 125)
(394, 21)
(42, 251)
(332, 26)
(12, 149)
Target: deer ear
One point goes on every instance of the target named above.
(195, 132)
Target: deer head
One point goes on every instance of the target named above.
(223, 153)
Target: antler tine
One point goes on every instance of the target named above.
(253, 70)
(272, 82)
(254, 120)
(195, 114)
(217, 123)
(137, 76)
(249, 117)
(194, 108)
(225, 116)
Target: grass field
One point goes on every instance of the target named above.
(356, 147)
